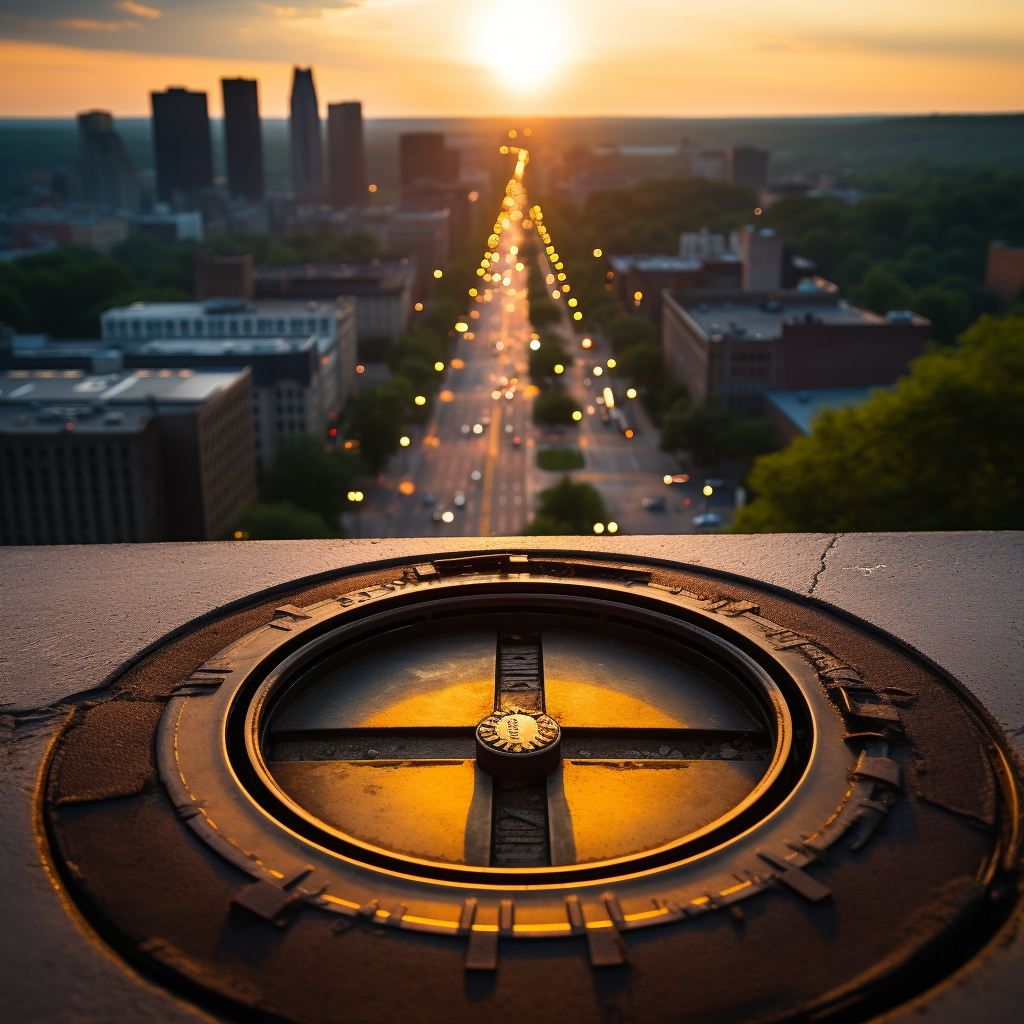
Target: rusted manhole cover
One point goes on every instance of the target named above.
(652, 793)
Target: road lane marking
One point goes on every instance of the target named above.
(492, 454)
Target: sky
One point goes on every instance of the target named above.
(673, 58)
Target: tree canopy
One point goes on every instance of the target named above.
(279, 521)
(567, 508)
(940, 451)
(310, 476)
(712, 433)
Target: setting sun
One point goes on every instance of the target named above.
(524, 44)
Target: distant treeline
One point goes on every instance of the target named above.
(63, 292)
(914, 241)
(30, 151)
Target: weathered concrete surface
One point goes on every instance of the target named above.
(73, 615)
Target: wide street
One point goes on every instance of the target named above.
(470, 446)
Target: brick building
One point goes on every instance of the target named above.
(149, 455)
(732, 347)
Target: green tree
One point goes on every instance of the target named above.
(554, 408)
(543, 313)
(376, 420)
(310, 476)
(948, 309)
(711, 432)
(642, 363)
(14, 310)
(279, 521)
(550, 354)
(625, 330)
(567, 508)
(881, 290)
(940, 451)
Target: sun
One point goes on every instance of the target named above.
(524, 43)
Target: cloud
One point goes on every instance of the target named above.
(305, 13)
(88, 25)
(139, 10)
(966, 45)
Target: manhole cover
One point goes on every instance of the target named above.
(648, 792)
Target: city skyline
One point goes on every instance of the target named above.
(452, 58)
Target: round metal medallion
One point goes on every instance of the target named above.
(518, 744)
(564, 763)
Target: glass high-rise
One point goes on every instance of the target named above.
(181, 141)
(307, 152)
(243, 138)
(108, 177)
(346, 154)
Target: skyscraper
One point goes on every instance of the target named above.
(242, 137)
(423, 157)
(108, 176)
(346, 154)
(181, 140)
(307, 155)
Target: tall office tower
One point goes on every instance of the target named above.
(422, 157)
(242, 137)
(346, 154)
(307, 155)
(746, 165)
(107, 172)
(181, 139)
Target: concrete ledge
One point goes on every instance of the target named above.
(73, 615)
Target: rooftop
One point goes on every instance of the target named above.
(800, 407)
(667, 264)
(225, 307)
(53, 401)
(753, 316)
(361, 275)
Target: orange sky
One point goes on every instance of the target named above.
(560, 57)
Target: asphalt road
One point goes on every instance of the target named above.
(468, 445)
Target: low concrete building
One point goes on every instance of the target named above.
(762, 253)
(149, 455)
(226, 318)
(639, 280)
(382, 290)
(732, 347)
(224, 276)
(793, 412)
(30, 228)
(299, 385)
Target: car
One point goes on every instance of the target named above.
(653, 504)
(460, 499)
(428, 498)
(708, 519)
(438, 513)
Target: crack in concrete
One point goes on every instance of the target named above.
(821, 562)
